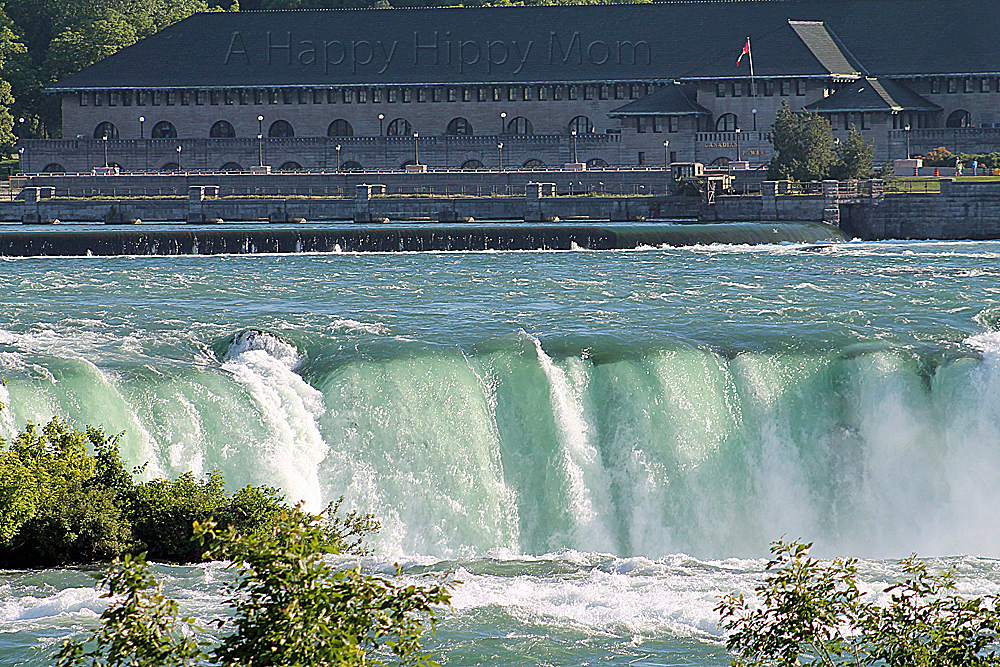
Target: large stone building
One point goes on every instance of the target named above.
(531, 86)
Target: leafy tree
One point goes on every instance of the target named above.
(855, 158)
(291, 607)
(140, 628)
(810, 613)
(803, 146)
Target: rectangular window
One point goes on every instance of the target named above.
(302, 95)
(769, 89)
(317, 95)
(452, 95)
(258, 96)
(362, 95)
(376, 96)
(619, 91)
(421, 95)
(331, 96)
(98, 99)
(720, 90)
(140, 98)
(213, 97)
(672, 123)
(272, 96)
(572, 93)
(171, 96)
(673, 156)
(392, 95)
(968, 85)
(634, 91)
(347, 95)
(113, 98)
(640, 124)
(482, 94)
(657, 124)
(864, 122)
(230, 97)
(800, 87)
(588, 92)
(83, 99)
(542, 90)
(127, 98)
(156, 98)
(526, 93)
(199, 97)
(512, 93)
(466, 94)
(642, 158)
(244, 96)
(496, 94)
(407, 95)
(737, 89)
(952, 85)
(984, 85)
(786, 88)
(603, 92)
(557, 93)
(286, 95)
(435, 94)
(935, 86)
(185, 98)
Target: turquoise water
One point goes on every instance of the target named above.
(599, 444)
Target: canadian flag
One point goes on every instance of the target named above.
(745, 52)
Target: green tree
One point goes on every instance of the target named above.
(140, 628)
(292, 607)
(810, 613)
(855, 158)
(803, 145)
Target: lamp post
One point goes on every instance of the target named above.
(105, 149)
(573, 132)
(416, 157)
(906, 128)
(178, 158)
(21, 163)
(503, 121)
(666, 158)
(500, 154)
(338, 157)
(142, 134)
(381, 117)
(738, 156)
(21, 131)
(260, 140)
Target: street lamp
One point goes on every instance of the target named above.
(416, 158)
(338, 157)
(381, 117)
(666, 158)
(20, 160)
(738, 156)
(178, 158)
(503, 121)
(21, 131)
(907, 129)
(500, 154)
(573, 132)
(142, 119)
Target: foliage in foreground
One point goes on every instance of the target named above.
(805, 150)
(66, 496)
(290, 606)
(812, 613)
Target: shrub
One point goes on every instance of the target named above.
(810, 613)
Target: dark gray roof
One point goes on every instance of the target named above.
(667, 101)
(556, 43)
(871, 94)
(820, 42)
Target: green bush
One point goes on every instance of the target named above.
(810, 613)
(61, 504)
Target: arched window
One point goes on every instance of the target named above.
(596, 163)
(727, 123)
(406, 164)
(581, 124)
(170, 166)
(351, 165)
(520, 125)
(106, 129)
(164, 130)
(960, 118)
(291, 165)
(473, 164)
(231, 166)
(340, 128)
(459, 126)
(720, 161)
(534, 163)
(281, 128)
(399, 128)
(222, 130)
(54, 168)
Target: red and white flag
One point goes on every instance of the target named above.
(745, 52)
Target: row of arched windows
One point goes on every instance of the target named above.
(399, 127)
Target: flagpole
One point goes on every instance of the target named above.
(753, 84)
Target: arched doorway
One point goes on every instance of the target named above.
(959, 118)
(164, 130)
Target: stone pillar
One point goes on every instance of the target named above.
(831, 209)
(769, 200)
(195, 210)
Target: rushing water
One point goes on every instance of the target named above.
(599, 444)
